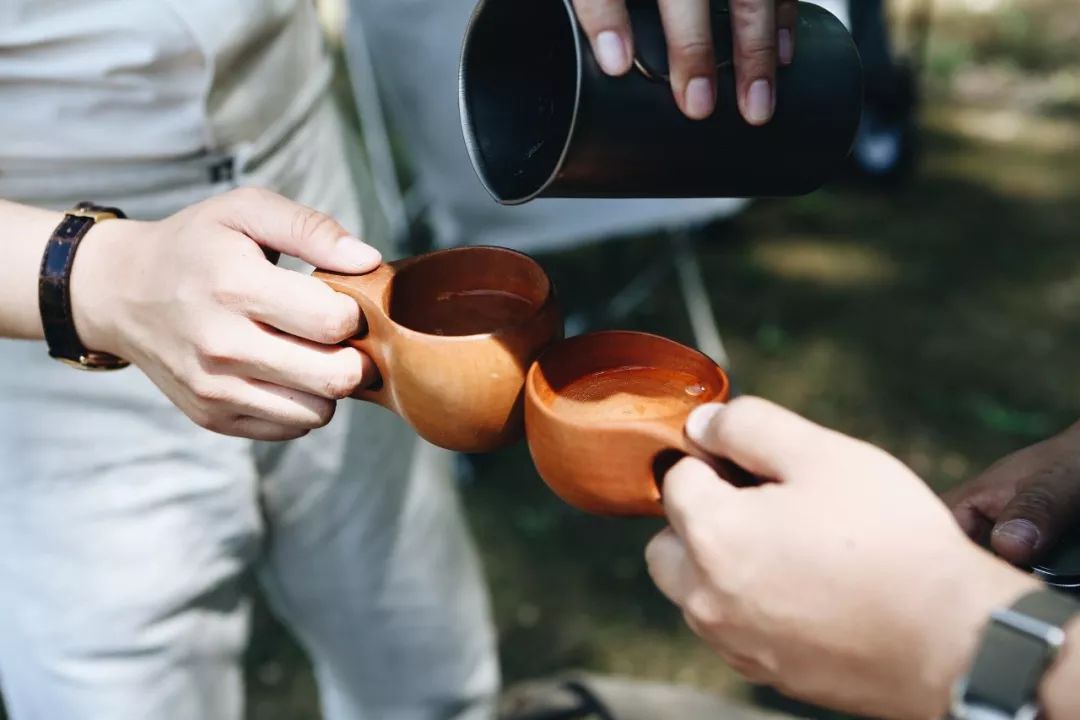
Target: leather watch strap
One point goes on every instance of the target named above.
(1017, 647)
(54, 289)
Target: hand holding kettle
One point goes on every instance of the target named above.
(763, 34)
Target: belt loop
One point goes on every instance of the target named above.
(223, 171)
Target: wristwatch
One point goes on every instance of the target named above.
(1016, 649)
(54, 289)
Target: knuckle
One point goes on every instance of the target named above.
(1039, 500)
(340, 386)
(309, 223)
(218, 352)
(208, 392)
(747, 9)
(596, 15)
(229, 293)
(754, 32)
(336, 326)
(677, 484)
(349, 381)
(201, 416)
(217, 422)
(698, 535)
(205, 212)
(202, 344)
(696, 52)
(705, 611)
(756, 50)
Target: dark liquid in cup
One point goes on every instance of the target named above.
(465, 312)
(630, 393)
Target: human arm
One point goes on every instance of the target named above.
(239, 345)
(841, 580)
(26, 230)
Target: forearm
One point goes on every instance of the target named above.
(26, 230)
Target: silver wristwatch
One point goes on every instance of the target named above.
(1016, 649)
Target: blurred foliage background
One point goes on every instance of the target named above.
(937, 319)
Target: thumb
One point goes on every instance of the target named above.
(1037, 517)
(762, 438)
(978, 503)
(279, 224)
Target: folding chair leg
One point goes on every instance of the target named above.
(698, 307)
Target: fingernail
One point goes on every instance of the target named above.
(697, 425)
(1024, 532)
(759, 102)
(611, 53)
(700, 98)
(787, 46)
(358, 253)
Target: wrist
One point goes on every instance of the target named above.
(97, 289)
(33, 226)
(986, 584)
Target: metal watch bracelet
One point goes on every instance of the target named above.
(1017, 647)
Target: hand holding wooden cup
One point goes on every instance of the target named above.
(453, 334)
(604, 416)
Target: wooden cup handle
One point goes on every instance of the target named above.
(679, 446)
(370, 291)
(672, 446)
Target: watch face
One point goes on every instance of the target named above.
(1061, 566)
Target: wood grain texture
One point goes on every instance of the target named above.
(607, 462)
(463, 392)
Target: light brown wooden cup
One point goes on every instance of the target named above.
(461, 390)
(610, 464)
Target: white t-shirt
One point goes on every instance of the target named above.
(149, 80)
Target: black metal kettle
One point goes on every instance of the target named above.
(541, 119)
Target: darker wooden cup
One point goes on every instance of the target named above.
(601, 446)
(453, 334)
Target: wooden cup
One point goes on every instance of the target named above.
(604, 417)
(453, 334)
